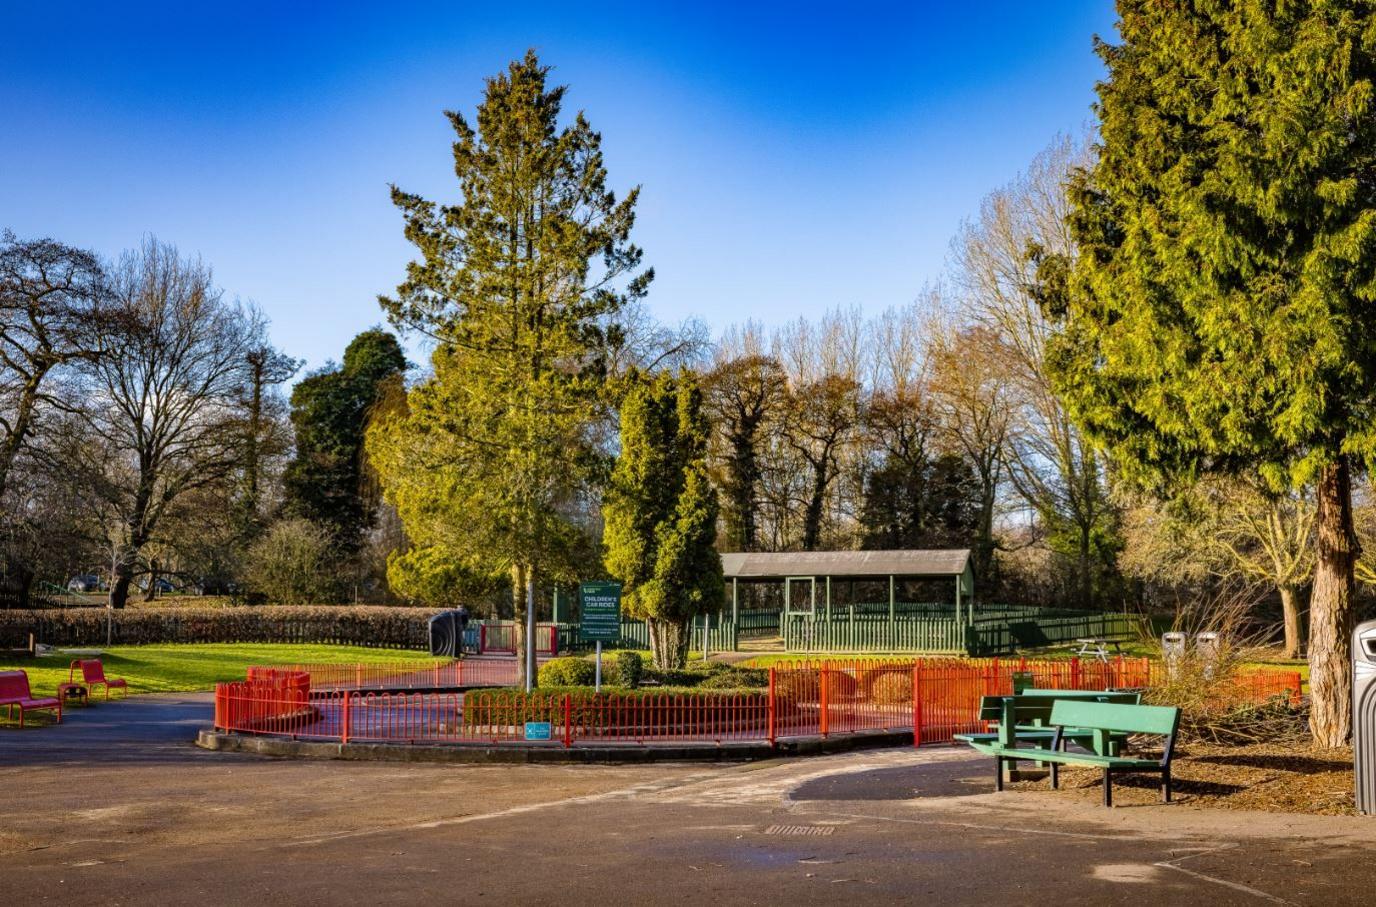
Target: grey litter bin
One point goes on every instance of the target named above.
(1208, 647)
(1173, 650)
(1364, 714)
(446, 633)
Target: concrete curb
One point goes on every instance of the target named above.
(526, 753)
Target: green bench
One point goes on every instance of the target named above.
(1030, 718)
(1103, 721)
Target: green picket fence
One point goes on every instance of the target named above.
(866, 634)
(759, 621)
(634, 635)
(722, 635)
(870, 633)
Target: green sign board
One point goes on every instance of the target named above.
(538, 730)
(601, 619)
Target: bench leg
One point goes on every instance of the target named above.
(1108, 788)
(998, 773)
(1055, 776)
(1166, 785)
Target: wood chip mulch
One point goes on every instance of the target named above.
(1268, 777)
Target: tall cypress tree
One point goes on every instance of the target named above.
(324, 483)
(661, 513)
(1219, 315)
(519, 283)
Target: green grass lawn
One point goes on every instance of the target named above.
(180, 668)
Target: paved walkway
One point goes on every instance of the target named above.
(116, 806)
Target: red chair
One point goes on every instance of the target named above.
(14, 691)
(93, 675)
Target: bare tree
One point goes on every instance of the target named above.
(974, 412)
(1050, 463)
(51, 297)
(160, 421)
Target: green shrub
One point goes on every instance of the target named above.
(357, 625)
(568, 672)
(630, 668)
(294, 563)
(736, 679)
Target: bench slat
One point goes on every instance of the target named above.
(1131, 719)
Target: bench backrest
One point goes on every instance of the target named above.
(1034, 706)
(1125, 697)
(14, 685)
(92, 671)
(1112, 716)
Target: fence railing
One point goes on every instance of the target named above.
(934, 698)
(872, 632)
(403, 675)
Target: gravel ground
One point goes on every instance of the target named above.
(1267, 777)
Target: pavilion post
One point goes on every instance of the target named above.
(891, 600)
(828, 599)
(960, 617)
(735, 601)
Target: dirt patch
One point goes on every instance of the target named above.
(1268, 777)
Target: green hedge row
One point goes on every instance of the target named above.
(356, 625)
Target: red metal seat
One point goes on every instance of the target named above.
(14, 691)
(93, 675)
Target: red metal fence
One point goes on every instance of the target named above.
(405, 675)
(935, 698)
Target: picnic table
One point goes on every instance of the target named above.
(1104, 723)
(1097, 647)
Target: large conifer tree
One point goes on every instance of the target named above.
(519, 283)
(661, 513)
(1221, 312)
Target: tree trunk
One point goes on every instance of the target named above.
(152, 591)
(1290, 609)
(1330, 609)
(518, 612)
(812, 517)
(119, 589)
(669, 643)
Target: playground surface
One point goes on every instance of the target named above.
(116, 806)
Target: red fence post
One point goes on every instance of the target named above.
(344, 722)
(1075, 672)
(772, 723)
(917, 702)
(824, 708)
(568, 721)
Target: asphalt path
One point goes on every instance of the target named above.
(116, 807)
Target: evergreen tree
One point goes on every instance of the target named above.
(498, 455)
(1218, 314)
(330, 409)
(661, 513)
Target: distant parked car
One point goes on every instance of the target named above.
(84, 582)
(162, 584)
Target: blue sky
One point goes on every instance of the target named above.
(793, 157)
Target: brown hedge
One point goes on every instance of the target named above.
(357, 625)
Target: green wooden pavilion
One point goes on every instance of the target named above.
(807, 577)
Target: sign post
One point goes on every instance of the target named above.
(600, 617)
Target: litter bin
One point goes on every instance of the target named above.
(1173, 650)
(1208, 646)
(1364, 714)
(446, 633)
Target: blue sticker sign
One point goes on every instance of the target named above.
(538, 730)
